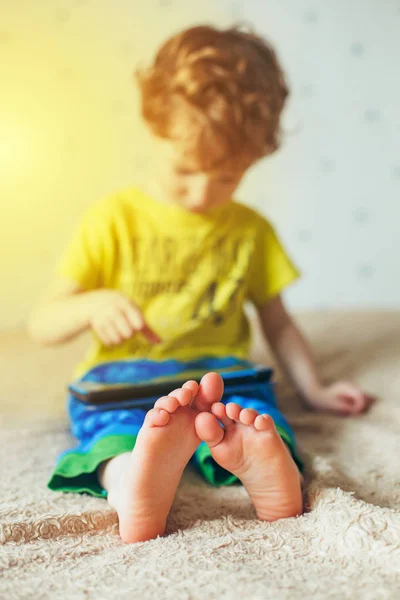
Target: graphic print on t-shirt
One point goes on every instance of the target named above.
(209, 278)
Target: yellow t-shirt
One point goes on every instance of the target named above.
(190, 274)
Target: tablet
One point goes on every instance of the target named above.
(144, 393)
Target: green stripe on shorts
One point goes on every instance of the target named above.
(76, 471)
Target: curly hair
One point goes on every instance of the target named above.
(219, 92)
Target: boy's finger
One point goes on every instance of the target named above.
(150, 335)
(103, 338)
(358, 402)
(137, 321)
(123, 326)
(353, 397)
(342, 408)
(354, 404)
(111, 334)
(134, 317)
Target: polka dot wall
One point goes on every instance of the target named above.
(70, 135)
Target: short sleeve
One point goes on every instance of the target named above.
(271, 269)
(88, 252)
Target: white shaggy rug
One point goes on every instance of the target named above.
(347, 544)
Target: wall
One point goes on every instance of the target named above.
(69, 134)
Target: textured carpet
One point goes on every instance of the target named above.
(347, 544)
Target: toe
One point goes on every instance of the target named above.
(264, 423)
(208, 429)
(247, 416)
(183, 395)
(219, 410)
(157, 417)
(233, 410)
(193, 386)
(210, 391)
(168, 403)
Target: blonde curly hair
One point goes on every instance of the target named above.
(220, 93)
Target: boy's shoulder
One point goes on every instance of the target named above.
(246, 215)
(113, 205)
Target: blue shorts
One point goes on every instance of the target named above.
(103, 434)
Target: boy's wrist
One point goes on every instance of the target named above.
(86, 307)
(313, 393)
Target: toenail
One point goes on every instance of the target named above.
(267, 418)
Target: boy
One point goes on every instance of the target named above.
(161, 274)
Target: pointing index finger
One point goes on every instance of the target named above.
(137, 321)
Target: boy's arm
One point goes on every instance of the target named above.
(61, 314)
(295, 356)
(67, 310)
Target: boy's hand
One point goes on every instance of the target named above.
(341, 397)
(115, 318)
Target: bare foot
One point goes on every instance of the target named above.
(145, 488)
(251, 448)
